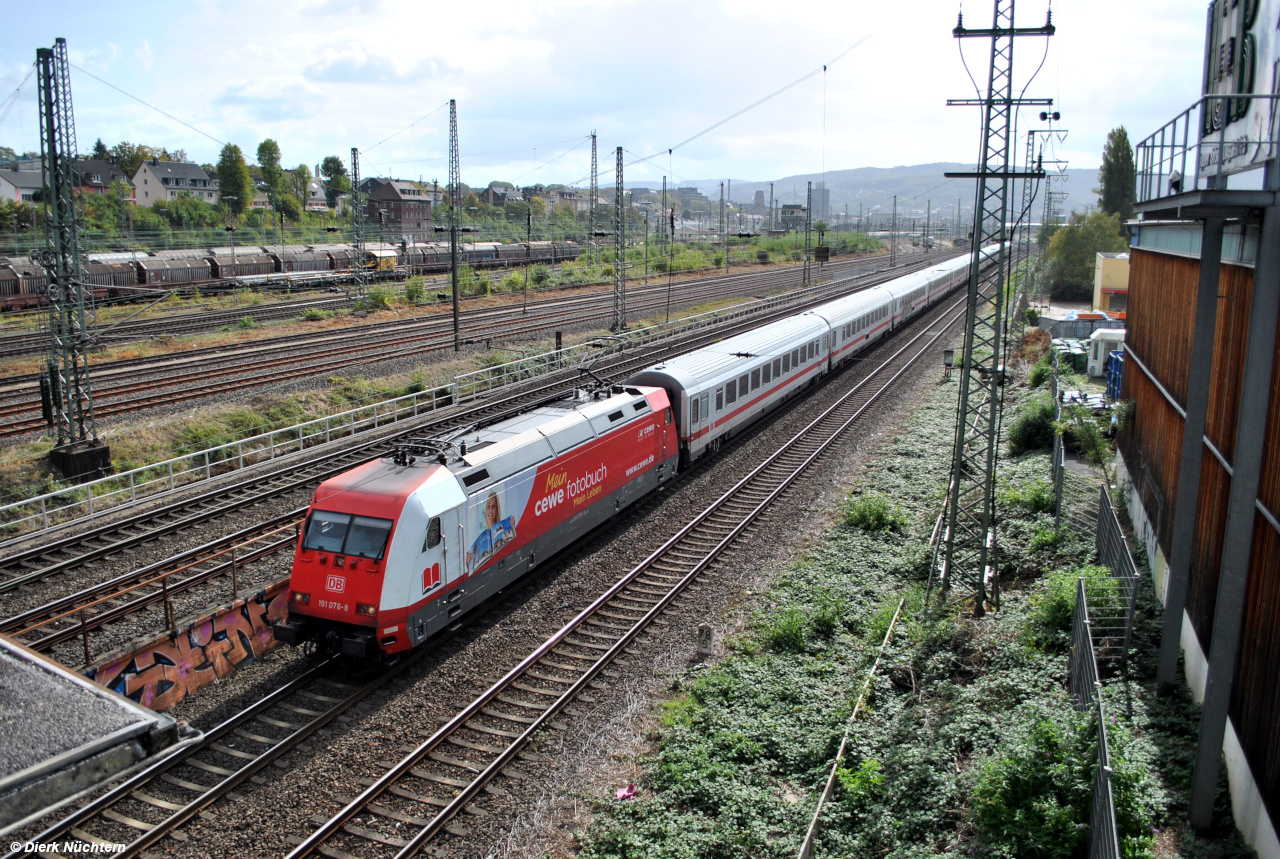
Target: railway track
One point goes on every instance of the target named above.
(314, 355)
(194, 776)
(425, 790)
(87, 610)
(415, 802)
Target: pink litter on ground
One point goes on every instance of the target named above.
(627, 792)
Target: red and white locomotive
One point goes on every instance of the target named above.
(401, 547)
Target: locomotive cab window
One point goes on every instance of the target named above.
(326, 531)
(342, 533)
(433, 535)
(367, 537)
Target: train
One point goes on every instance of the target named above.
(123, 275)
(399, 548)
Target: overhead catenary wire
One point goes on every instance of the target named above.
(13, 99)
(148, 104)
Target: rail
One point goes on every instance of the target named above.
(88, 499)
(1191, 151)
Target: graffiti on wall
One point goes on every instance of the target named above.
(163, 672)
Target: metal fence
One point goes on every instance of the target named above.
(1113, 620)
(1086, 690)
(18, 518)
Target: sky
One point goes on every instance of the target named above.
(533, 79)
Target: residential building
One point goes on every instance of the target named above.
(167, 180)
(18, 185)
(402, 208)
(497, 196)
(96, 175)
(792, 216)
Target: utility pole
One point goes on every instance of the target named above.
(928, 212)
(969, 557)
(771, 221)
(724, 238)
(619, 252)
(646, 248)
(357, 227)
(663, 238)
(528, 249)
(808, 227)
(893, 234)
(595, 194)
(65, 390)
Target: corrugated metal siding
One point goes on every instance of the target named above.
(1161, 309)
(1235, 291)
(1206, 553)
(1152, 445)
(1162, 300)
(1255, 698)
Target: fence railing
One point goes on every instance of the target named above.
(1086, 691)
(1192, 149)
(1113, 552)
(17, 518)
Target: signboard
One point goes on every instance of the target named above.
(1240, 57)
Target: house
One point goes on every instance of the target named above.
(18, 185)
(793, 216)
(316, 201)
(579, 201)
(496, 196)
(167, 180)
(97, 175)
(404, 207)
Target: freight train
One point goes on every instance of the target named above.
(129, 275)
(401, 547)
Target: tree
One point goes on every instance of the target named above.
(336, 182)
(100, 151)
(269, 162)
(7, 154)
(233, 179)
(1116, 177)
(298, 181)
(289, 206)
(1073, 253)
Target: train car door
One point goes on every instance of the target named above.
(440, 556)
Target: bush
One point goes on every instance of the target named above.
(1033, 429)
(1036, 497)
(1032, 799)
(873, 513)
(247, 323)
(1032, 316)
(414, 288)
(785, 630)
(315, 314)
(540, 275)
(1054, 604)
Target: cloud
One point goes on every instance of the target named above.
(145, 55)
(355, 66)
(274, 105)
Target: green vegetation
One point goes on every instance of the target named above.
(1117, 178)
(873, 512)
(1073, 251)
(969, 743)
(1033, 428)
(247, 323)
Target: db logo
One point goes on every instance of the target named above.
(337, 584)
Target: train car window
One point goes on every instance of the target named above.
(615, 416)
(694, 416)
(765, 377)
(475, 477)
(326, 531)
(777, 368)
(786, 363)
(731, 391)
(367, 537)
(719, 399)
(795, 358)
(742, 385)
(433, 534)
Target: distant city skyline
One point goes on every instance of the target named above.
(532, 82)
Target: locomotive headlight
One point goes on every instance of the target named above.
(300, 598)
(366, 609)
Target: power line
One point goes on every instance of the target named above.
(406, 128)
(148, 104)
(13, 99)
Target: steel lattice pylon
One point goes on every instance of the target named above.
(970, 542)
(67, 393)
(619, 253)
(592, 227)
(361, 279)
(455, 207)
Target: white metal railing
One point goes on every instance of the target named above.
(1193, 148)
(149, 481)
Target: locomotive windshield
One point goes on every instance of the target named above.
(345, 534)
